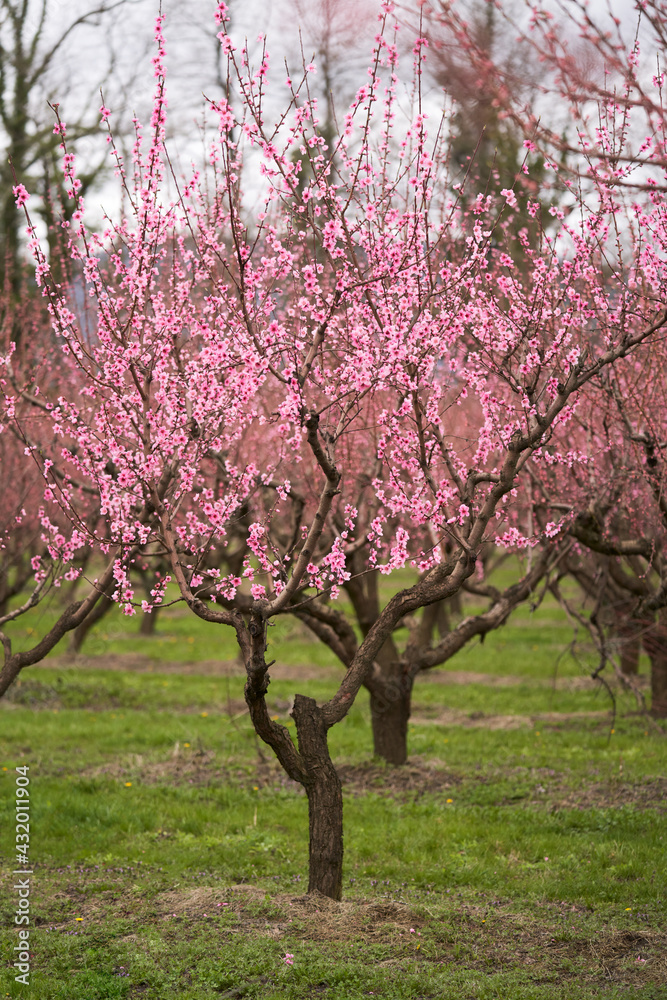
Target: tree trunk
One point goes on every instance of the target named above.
(655, 644)
(627, 630)
(659, 687)
(148, 623)
(325, 800)
(79, 634)
(629, 653)
(391, 698)
(9, 673)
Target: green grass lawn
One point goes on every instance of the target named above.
(520, 854)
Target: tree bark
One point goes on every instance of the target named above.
(325, 800)
(627, 631)
(391, 698)
(655, 644)
(629, 649)
(659, 686)
(10, 671)
(148, 623)
(80, 633)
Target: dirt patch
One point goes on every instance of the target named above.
(480, 720)
(200, 767)
(540, 788)
(316, 917)
(396, 781)
(193, 766)
(618, 943)
(195, 902)
(485, 934)
(651, 794)
(461, 677)
(621, 954)
(468, 677)
(328, 920)
(141, 664)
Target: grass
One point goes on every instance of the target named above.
(520, 854)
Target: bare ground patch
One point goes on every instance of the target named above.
(142, 663)
(201, 767)
(541, 788)
(650, 794)
(412, 778)
(194, 766)
(459, 677)
(486, 934)
(480, 720)
(324, 919)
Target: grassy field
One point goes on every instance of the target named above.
(521, 854)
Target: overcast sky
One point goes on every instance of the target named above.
(192, 58)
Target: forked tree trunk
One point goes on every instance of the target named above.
(325, 800)
(391, 702)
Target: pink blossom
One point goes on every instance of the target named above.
(20, 194)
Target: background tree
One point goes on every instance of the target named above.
(586, 59)
(429, 642)
(337, 36)
(34, 45)
(617, 516)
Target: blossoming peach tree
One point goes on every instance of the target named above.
(352, 367)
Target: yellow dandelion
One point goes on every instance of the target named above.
(204, 715)
(128, 784)
(628, 908)
(450, 800)
(78, 918)
(255, 788)
(186, 744)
